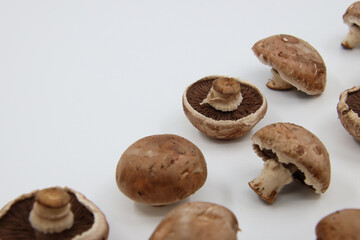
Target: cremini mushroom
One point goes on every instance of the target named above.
(290, 152)
(223, 107)
(348, 110)
(340, 225)
(52, 213)
(352, 19)
(161, 169)
(197, 220)
(293, 62)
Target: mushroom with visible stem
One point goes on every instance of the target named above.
(352, 19)
(290, 153)
(53, 213)
(223, 107)
(293, 62)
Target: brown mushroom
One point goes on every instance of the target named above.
(161, 169)
(352, 19)
(290, 152)
(340, 225)
(52, 213)
(223, 107)
(294, 63)
(348, 110)
(197, 220)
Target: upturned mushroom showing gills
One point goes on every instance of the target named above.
(340, 225)
(52, 214)
(293, 62)
(352, 19)
(197, 220)
(348, 110)
(290, 152)
(223, 107)
(160, 170)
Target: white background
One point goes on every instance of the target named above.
(80, 81)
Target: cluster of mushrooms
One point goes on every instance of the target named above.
(164, 169)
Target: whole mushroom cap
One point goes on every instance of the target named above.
(297, 149)
(348, 110)
(89, 222)
(219, 124)
(296, 61)
(197, 220)
(161, 169)
(343, 224)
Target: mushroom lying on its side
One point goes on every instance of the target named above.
(340, 225)
(223, 107)
(290, 152)
(352, 19)
(348, 110)
(197, 220)
(52, 213)
(294, 62)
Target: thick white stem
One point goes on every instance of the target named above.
(273, 177)
(277, 82)
(352, 38)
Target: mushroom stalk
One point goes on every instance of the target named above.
(51, 211)
(272, 179)
(352, 38)
(224, 95)
(277, 82)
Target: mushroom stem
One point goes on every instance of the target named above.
(51, 211)
(224, 95)
(277, 82)
(272, 179)
(352, 38)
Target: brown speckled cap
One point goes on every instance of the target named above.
(297, 151)
(89, 222)
(295, 61)
(197, 220)
(161, 169)
(340, 225)
(348, 110)
(352, 19)
(219, 124)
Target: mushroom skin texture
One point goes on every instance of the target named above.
(290, 152)
(89, 222)
(160, 170)
(294, 63)
(352, 18)
(348, 110)
(228, 128)
(342, 224)
(197, 221)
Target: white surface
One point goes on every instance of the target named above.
(82, 80)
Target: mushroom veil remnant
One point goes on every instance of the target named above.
(223, 107)
(348, 110)
(352, 19)
(293, 62)
(53, 213)
(290, 152)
